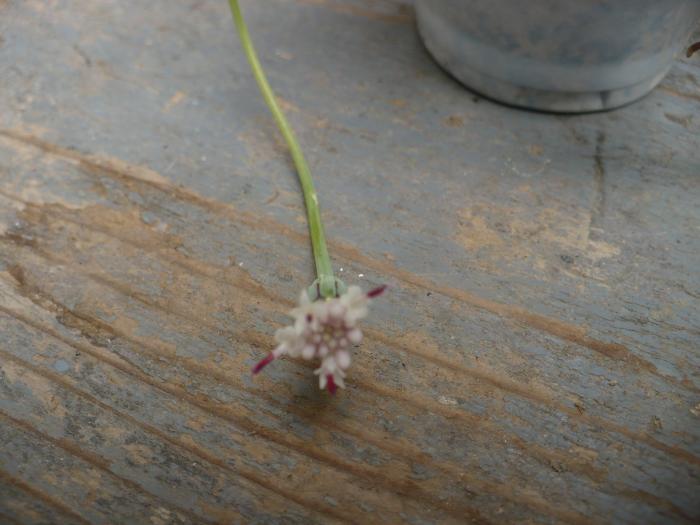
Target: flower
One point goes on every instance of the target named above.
(325, 329)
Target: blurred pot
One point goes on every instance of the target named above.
(558, 55)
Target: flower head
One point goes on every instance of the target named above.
(325, 329)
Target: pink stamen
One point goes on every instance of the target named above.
(377, 291)
(331, 384)
(263, 363)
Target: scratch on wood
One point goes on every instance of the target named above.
(273, 197)
(599, 178)
(174, 101)
(677, 93)
(678, 119)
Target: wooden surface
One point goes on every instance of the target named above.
(536, 360)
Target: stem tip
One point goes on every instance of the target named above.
(331, 384)
(377, 291)
(263, 363)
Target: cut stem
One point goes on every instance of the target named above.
(324, 269)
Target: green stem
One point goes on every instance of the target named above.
(324, 268)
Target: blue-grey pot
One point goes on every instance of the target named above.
(558, 55)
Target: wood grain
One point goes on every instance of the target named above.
(535, 361)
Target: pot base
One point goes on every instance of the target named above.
(441, 45)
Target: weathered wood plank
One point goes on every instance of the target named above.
(28, 501)
(37, 238)
(83, 479)
(535, 361)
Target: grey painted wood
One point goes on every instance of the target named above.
(536, 360)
